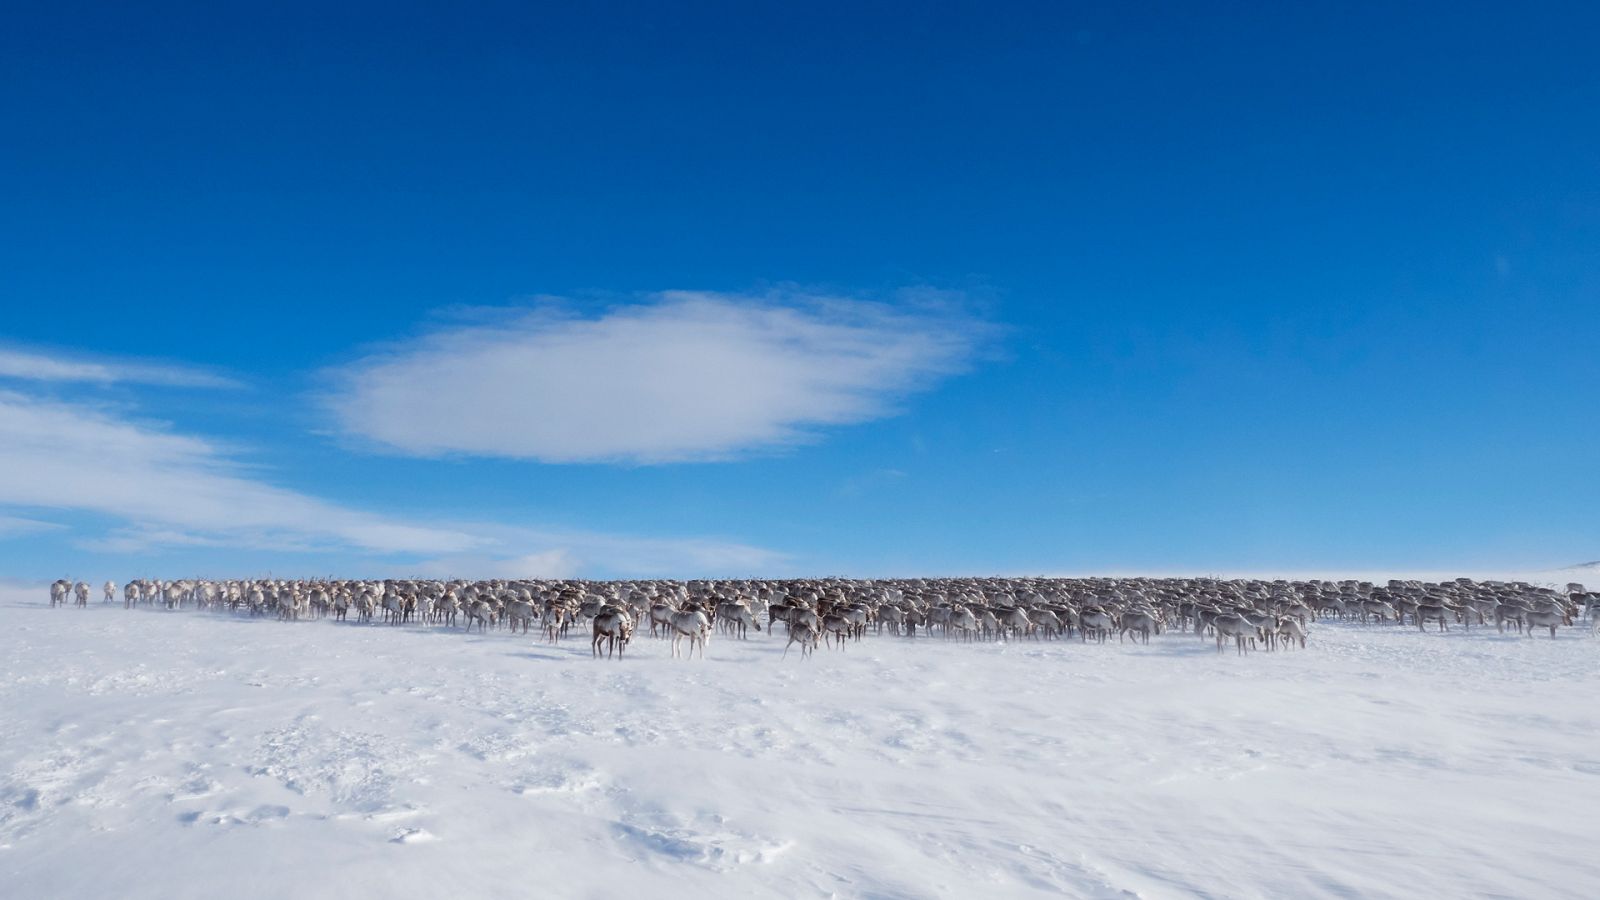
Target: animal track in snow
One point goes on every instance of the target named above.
(721, 850)
(265, 814)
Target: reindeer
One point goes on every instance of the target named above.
(519, 612)
(962, 620)
(859, 616)
(1015, 621)
(804, 616)
(661, 614)
(1239, 628)
(448, 608)
(613, 626)
(394, 608)
(1140, 622)
(1542, 619)
(691, 624)
(318, 600)
(1291, 630)
(737, 618)
(894, 616)
(482, 612)
(835, 625)
(1378, 608)
(1434, 612)
(1095, 620)
(805, 635)
(1046, 623)
(1509, 612)
(557, 616)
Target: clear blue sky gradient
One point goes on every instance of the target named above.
(1280, 285)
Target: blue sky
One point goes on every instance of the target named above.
(754, 288)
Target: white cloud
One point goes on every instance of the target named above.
(174, 491)
(36, 365)
(685, 377)
(173, 488)
(556, 563)
(566, 554)
(14, 526)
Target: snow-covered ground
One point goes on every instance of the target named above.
(165, 755)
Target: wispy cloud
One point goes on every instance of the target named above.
(556, 563)
(42, 365)
(173, 488)
(171, 491)
(683, 376)
(562, 553)
(16, 526)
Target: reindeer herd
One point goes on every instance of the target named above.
(1249, 614)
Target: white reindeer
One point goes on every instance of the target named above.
(1541, 619)
(1096, 621)
(1378, 608)
(961, 618)
(691, 624)
(1292, 630)
(1239, 628)
(1433, 612)
(1016, 621)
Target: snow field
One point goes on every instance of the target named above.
(156, 754)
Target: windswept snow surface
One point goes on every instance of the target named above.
(168, 755)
